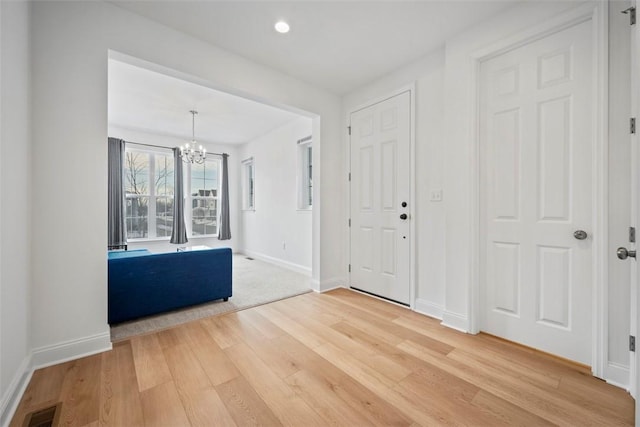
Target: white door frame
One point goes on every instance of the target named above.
(634, 376)
(411, 88)
(597, 13)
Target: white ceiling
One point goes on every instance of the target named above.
(337, 45)
(151, 102)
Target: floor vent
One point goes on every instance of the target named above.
(249, 258)
(47, 417)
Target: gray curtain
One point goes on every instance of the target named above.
(115, 187)
(179, 231)
(224, 232)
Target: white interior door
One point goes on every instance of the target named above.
(380, 202)
(536, 192)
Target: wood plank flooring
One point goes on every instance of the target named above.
(339, 358)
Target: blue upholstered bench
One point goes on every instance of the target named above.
(142, 283)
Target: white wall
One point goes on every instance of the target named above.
(15, 203)
(71, 42)
(157, 246)
(428, 75)
(276, 229)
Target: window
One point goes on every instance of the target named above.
(205, 193)
(248, 184)
(148, 192)
(149, 180)
(305, 173)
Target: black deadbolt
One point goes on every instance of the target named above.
(404, 204)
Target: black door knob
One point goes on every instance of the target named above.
(403, 217)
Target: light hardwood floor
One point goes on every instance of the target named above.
(339, 358)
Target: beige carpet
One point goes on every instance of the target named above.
(254, 282)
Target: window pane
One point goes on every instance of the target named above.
(164, 175)
(136, 171)
(137, 217)
(204, 216)
(164, 216)
(204, 179)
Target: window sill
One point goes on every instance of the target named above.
(167, 239)
(204, 236)
(149, 239)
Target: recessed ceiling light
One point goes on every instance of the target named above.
(282, 27)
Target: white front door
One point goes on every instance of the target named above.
(536, 143)
(380, 202)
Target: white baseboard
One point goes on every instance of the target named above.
(331, 284)
(617, 375)
(47, 356)
(315, 285)
(279, 262)
(455, 321)
(14, 393)
(429, 308)
(70, 350)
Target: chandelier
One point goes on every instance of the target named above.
(188, 152)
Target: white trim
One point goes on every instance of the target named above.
(48, 356)
(600, 208)
(587, 12)
(567, 19)
(70, 350)
(279, 262)
(378, 99)
(331, 284)
(347, 205)
(14, 393)
(455, 321)
(429, 308)
(617, 375)
(413, 248)
(634, 318)
(411, 88)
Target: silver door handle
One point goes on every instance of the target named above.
(623, 253)
(580, 234)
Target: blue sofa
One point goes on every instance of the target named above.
(142, 283)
